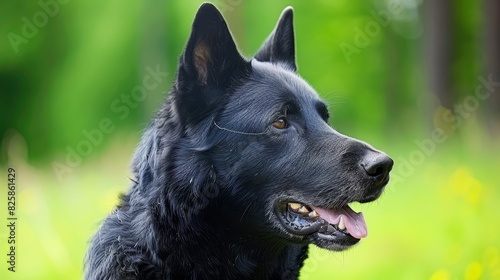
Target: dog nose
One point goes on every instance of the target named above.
(377, 165)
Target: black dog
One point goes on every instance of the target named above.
(238, 172)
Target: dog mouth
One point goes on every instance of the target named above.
(334, 229)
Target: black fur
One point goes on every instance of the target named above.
(214, 168)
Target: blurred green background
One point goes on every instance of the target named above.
(417, 79)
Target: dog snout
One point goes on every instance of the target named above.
(377, 165)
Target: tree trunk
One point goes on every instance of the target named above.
(438, 53)
(492, 50)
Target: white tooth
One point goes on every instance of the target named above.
(294, 206)
(341, 224)
(313, 214)
(303, 209)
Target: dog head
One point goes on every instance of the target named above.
(260, 135)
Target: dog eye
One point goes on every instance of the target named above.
(280, 123)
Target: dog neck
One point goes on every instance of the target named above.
(242, 256)
(245, 254)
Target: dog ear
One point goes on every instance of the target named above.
(279, 47)
(210, 57)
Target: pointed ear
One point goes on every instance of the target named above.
(210, 56)
(280, 45)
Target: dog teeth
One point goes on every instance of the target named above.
(313, 214)
(341, 224)
(295, 206)
(303, 210)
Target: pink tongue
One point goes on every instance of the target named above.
(354, 222)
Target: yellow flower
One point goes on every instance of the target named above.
(463, 184)
(441, 274)
(474, 271)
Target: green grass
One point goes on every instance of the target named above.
(442, 222)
